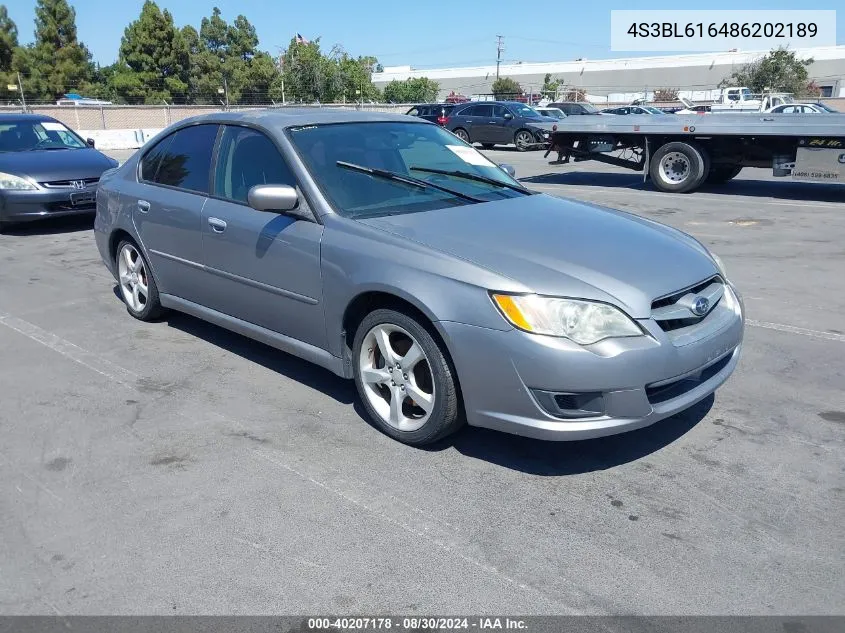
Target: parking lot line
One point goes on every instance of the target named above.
(791, 329)
(70, 350)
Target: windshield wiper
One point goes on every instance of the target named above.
(468, 176)
(408, 180)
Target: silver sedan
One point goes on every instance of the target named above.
(388, 251)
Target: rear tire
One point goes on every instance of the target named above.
(678, 167)
(723, 173)
(137, 287)
(462, 134)
(405, 379)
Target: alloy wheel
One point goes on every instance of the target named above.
(134, 282)
(397, 377)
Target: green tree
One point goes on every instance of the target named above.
(153, 64)
(309, 75)
(780, 70)
(8, 39)
(356, 76)
(550, 86)
(57, 62)
(416, 90)
(506, 88)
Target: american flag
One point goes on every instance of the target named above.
(301, 40)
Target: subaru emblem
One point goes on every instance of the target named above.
(701, 306)
(78, 184)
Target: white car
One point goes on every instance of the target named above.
(798, 108)
(552, 113)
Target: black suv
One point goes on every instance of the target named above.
(574, 108)
(500, 123)
(434, 112)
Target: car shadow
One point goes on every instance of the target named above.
(538, 457)
(784, 190)
(52, 226)
(280, 362)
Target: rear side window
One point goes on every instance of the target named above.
(483, 110)
(470, 111)
(182, 160)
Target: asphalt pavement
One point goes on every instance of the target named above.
(177, 468)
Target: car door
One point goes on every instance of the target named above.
(463, 119)
(482, 123)
(166, 205)
(502, 129)
(264, 267)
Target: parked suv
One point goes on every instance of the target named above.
(571, 108)
(500, 123)
(434, 112)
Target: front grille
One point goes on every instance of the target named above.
(674, 311)
(68, 184)
(672, 390)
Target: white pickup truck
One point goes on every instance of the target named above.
(738, 99)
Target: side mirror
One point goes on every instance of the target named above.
(508, 116)
(90, 142)
(508, 169)
(278, 198)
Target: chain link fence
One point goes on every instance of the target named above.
(118, 117)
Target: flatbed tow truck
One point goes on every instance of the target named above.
(679, 153)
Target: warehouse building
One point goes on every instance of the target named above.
(622, 80)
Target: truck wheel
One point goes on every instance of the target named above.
(678, 167)
(723, 173)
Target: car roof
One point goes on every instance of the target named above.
(295, 117)
(12, 118)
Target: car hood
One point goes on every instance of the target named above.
(540, 123)
(64, 164)
(561, 247)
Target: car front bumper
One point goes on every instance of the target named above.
(553, 389)
(24, 206)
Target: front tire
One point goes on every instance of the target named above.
(523, 140)
(137, 286)
(404, 378)
(678, 167)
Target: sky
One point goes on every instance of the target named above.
(422, 34)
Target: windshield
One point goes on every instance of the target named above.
(524, 111)
(825, 107)
(23, 136)
(589, 107)
(652, 110)
(396, 148)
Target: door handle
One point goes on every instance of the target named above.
(218, 226)
(143, 206)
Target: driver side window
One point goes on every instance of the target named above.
(246, 158)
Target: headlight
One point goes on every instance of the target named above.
(10, 181)
(583, 322)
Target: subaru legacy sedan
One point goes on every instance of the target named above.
(46, 169)
(388, 251)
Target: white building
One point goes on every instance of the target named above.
(622, 80)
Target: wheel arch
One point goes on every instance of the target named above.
(394, 299)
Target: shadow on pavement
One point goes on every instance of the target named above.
(783, 190)
(509, 451)
(538, 457)
(285, 364)
(51, 226)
